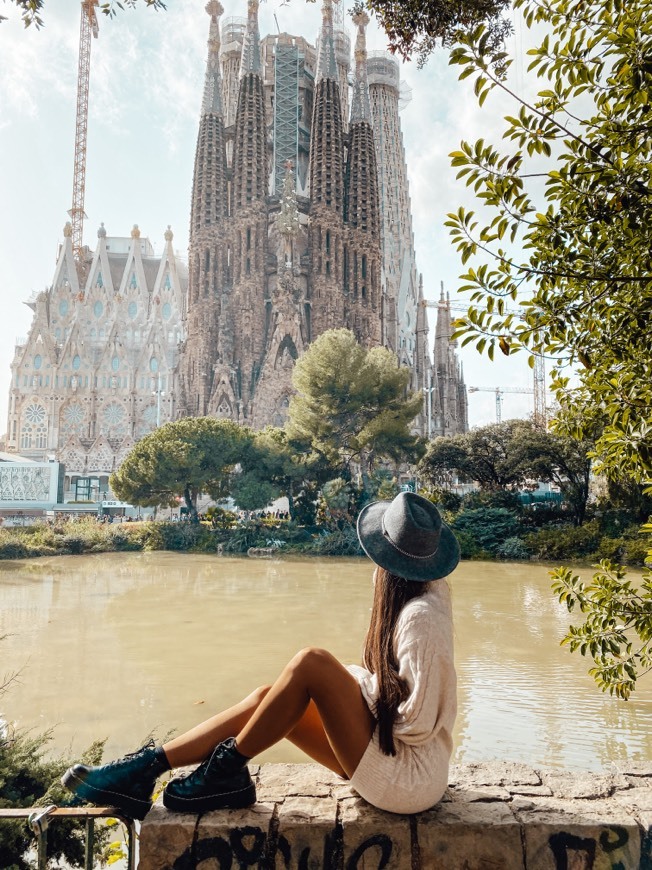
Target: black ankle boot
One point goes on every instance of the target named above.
(126, 784)
(221, 781)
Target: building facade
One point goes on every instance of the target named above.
(98, 369)
(300, 223)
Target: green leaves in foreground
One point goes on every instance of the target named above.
(617, 628)
(557, 246)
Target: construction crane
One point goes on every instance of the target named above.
(87, 27)
(499, 395)
(539, 371)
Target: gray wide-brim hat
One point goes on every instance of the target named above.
(408, 537)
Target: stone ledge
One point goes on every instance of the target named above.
(494, 816)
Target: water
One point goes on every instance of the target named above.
(117, 646)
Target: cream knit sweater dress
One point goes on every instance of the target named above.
(416, 777)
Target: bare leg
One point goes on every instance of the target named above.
(309, 732)
(193, 746)
(312, 675)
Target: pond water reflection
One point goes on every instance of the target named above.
(120, 645)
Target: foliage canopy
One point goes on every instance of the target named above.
(352, 405)
(183, 458)
(565, 228)
(31, 10)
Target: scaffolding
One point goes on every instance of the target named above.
(383, 70)
(286, 109)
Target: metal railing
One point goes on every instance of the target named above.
(39, 819)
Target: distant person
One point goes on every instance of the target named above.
(386, 726)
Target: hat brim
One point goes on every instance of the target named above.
(383, 553)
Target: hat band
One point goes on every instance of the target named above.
(396, 547)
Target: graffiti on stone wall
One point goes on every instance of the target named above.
(571, 851)
(250, 846)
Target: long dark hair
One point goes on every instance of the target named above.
(391, 593)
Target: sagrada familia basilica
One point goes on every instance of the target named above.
(300, 223)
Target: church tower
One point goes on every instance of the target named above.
(208, 251)
(362, 256)
(249, 219)
(327, 187)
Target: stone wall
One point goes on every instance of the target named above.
(494, 816)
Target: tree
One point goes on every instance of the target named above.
(568, 230)
(31, 10)
(278, 467)
(352, 406)
(566, 234)
(414, 27)
(556, 459)
(484, 454)
(184, 458)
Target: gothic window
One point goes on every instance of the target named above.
(115, 363)
(248, 238)
(224, 408)
(98, 309)
(41, 437)
(364, 266)
(132, 310)
(248, 270)
(168, 283)
(133, 283)
(26, 437)
(76, 362)
(114, 420)
(35, 414)
(100, 281)
(38, 361)
(166, 311)
(328, 241)
(153, 364)
(63, 307)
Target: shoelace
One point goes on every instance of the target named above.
(120, 761)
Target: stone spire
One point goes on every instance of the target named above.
(326, 65)
(250, 62)
(287, 221)
(212, 102)
(360, 106)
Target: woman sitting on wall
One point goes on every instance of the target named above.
(386, 726)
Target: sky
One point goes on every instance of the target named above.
(146, 79)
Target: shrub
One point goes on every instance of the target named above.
(443, 498)
(636, 551)
(28, 779)
(564, 542)
(513, 548)
(469, 548)
(489, 527)
(341, 542)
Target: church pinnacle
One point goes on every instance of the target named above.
(326, 65)
(361, 107)
(212, 102)
(250, 62)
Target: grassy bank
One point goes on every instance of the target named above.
(491, 534)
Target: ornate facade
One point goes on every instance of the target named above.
(300, 222)
(98, 369)
(300, 219)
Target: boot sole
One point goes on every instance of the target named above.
(232, 800)
(132, 807)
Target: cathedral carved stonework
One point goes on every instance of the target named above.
(98, 369)
(300, 222)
